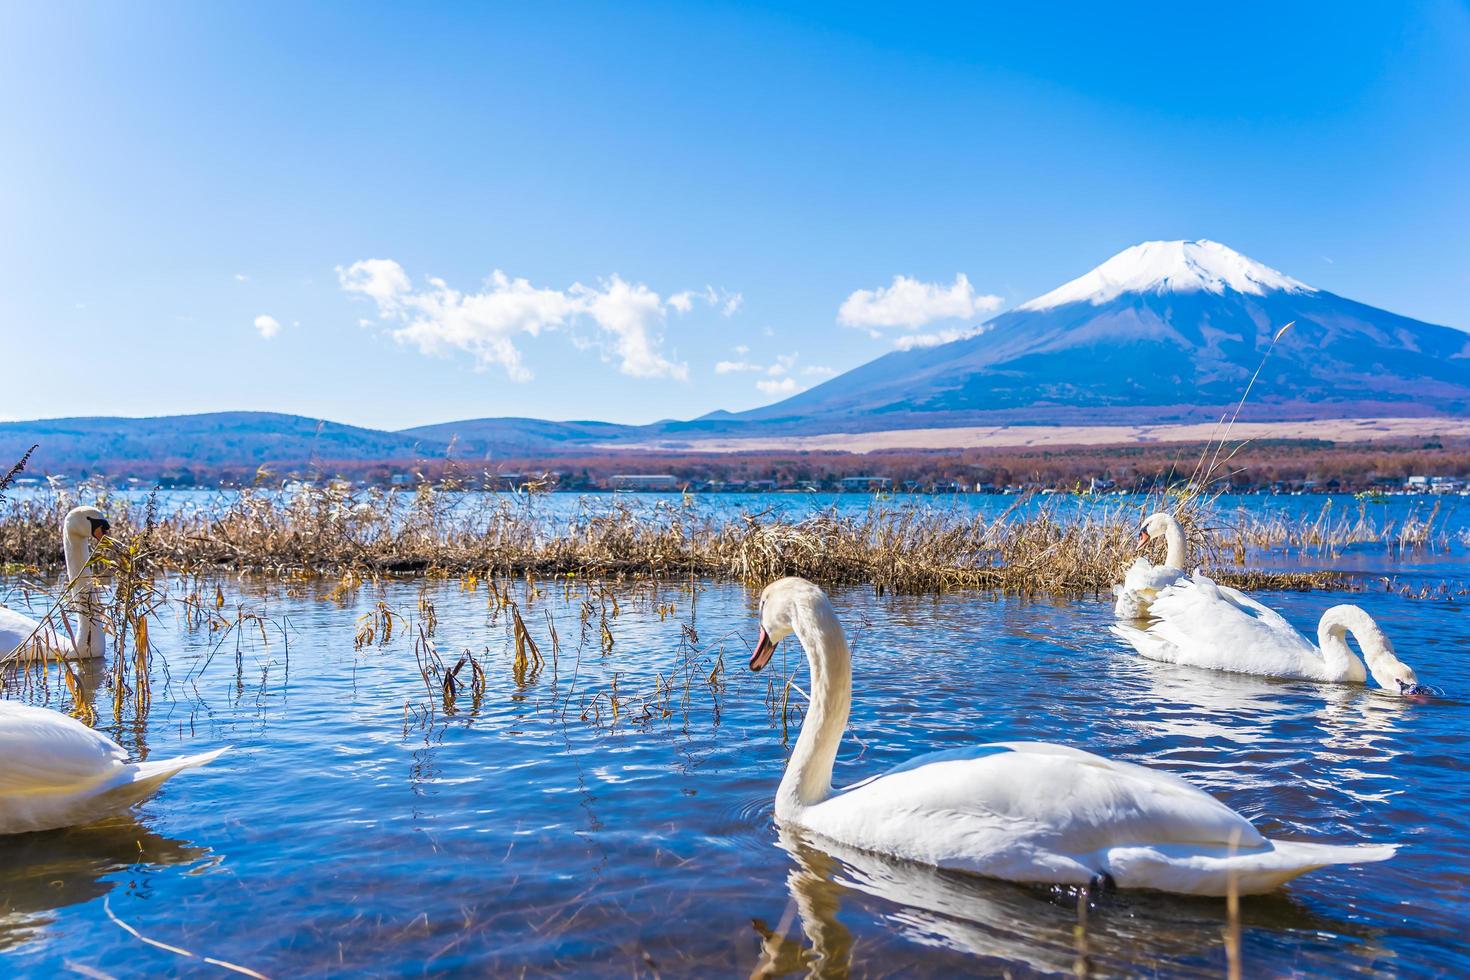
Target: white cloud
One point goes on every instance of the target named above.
(733, 367)
(268, 326)
(784, 364)
(911, 304)
(727, 302)
(438, 319)
(911, 340)
(241, 277)
(784, 386)
(382, 280)
(779, 376)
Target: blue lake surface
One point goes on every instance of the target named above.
(357, 826)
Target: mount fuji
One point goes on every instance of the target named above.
(1160, 332)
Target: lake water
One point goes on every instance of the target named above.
(357, 826)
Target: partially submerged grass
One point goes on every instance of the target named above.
(1055, 546)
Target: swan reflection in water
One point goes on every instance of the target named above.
(1004, 925)
(43, 872)
(1349, 731)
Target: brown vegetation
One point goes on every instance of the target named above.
(1037, 547)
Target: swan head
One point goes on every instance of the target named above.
(781, 604)
(81, 523)
(1391, 673)
(1153, 526)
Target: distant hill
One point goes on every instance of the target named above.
(1161, 332)
(220, 440)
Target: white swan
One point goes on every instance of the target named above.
(57, 772)
(1144, 579)
(1199, 623)
(1022, 811)
(80, 527)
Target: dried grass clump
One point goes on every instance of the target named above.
(1053, 546)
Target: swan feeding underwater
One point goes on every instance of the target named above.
(1020, 811)
(1144, 579)
(79, 529)
(1199, 623)
(56, 772)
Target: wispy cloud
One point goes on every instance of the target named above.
(726, 302)
(909, 341)
(268, 326)
(779, 376)
(782, 386)
(241, 277)
(733, 367)
(910, 304)
(487, 324)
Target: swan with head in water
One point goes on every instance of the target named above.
(81, 527)
(1144, 579)
(56, 772)
(1199, 623)
(1021, 811)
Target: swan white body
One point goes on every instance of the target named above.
(17, 629)
(57, 772)
(1200, 623)
(80, 527)
(1020, 811)
(1143, 580)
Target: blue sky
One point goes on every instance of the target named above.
(399, 214)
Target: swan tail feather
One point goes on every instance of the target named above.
(147, 777)
(163, 769)
(1219, 869)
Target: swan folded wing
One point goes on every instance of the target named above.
(1044, 798)
(43, 751)
(1214, 626)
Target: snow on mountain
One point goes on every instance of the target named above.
(1170, 267)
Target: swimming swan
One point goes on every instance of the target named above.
(1144, 579)
(80, 527)
(1199, 623)
(1021, 811)
(57, 772)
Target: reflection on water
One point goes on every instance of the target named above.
(43, 873)
(1000, 925)
(608, 811)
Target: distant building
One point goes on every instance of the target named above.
(866, 483)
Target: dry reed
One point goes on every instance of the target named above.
(1037, 547)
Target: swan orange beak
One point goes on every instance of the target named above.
(1143, 538)
(764, 647)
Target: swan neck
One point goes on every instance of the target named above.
(1342, 665)
(80, 589)
(77, 554)
(1385, 666)
(808, 777)
(1174, 540)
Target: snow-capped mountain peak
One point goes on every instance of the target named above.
(1170, 267)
